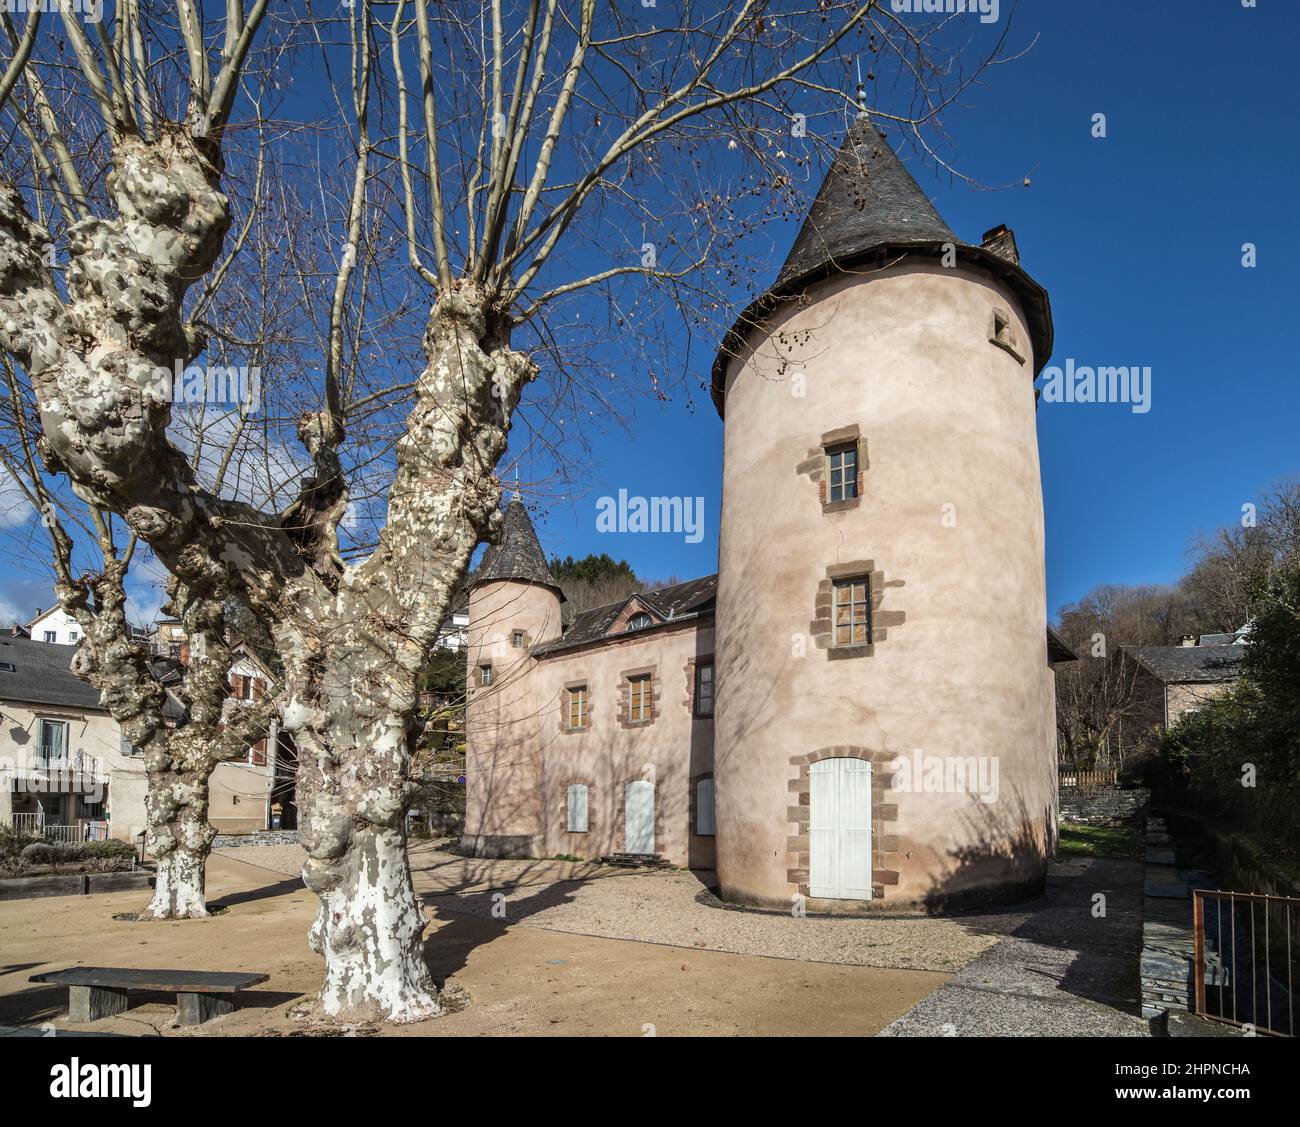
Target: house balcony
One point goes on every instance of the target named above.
(78, 769)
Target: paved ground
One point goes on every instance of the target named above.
(1061, 971)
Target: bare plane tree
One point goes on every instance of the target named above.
(180, 748)
(537, 135)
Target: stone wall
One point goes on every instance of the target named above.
(1103, 806)
(262, 837)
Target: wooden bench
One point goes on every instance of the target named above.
(97, 992)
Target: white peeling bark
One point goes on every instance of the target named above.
(369, 928)
(352, 708)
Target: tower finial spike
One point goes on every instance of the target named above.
(862, 92)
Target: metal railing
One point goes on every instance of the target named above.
(35, 825)
(28, 823)
(1101, 777)
(78, 763)
(1244, 959)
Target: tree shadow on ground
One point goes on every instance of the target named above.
(1083, 932)
(467, 920)
(262, 892)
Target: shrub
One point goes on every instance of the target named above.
(68, 852)
(107, 864)
(12, 843)
(115, 850)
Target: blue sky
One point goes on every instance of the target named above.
(1138, 239)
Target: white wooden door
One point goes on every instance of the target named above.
(840, 829)
(639, 812)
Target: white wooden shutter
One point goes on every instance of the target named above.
(704, 824)
(639, 816)
(839, 829)
(577, 809)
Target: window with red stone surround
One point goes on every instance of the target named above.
(578, 836)
(575, 707)
(817, 467)
(822, 627)
(638, 699)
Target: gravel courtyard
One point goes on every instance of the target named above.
(552, 947)
(669, 907)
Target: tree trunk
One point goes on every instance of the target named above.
(179, 838)
(352, 691)
(370, 930)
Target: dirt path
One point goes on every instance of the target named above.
(521, 978)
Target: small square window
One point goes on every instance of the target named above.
(1004, 334)
(842, 472)
(485, 674)
(853, 612)
(517, 639)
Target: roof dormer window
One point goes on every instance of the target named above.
(639, 621)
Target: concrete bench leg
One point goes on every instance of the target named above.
(90, 1003)
(195, 1009)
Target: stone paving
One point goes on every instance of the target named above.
(1061, 971)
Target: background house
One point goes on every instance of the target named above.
(1168, 681)
(55, 734)
(63, 765)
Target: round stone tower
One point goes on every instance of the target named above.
(884, 728)
(514, 606)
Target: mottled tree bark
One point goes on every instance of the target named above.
(178, 760)
(351, 690)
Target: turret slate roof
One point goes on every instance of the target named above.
(517, 554)
(869, 208)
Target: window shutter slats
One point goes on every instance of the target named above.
(577, 802)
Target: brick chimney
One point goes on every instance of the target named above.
(1001, 240)
(1188, 640)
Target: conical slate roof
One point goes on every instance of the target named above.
(868, 199)
(869, 212)
(517, 554)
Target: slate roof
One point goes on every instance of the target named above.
(42, 675)
(1058, 649)
(695, 598)
(1218, 639)
(517, 554)
(1183, 664)
(870, 208)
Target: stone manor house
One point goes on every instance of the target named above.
(858, 708)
